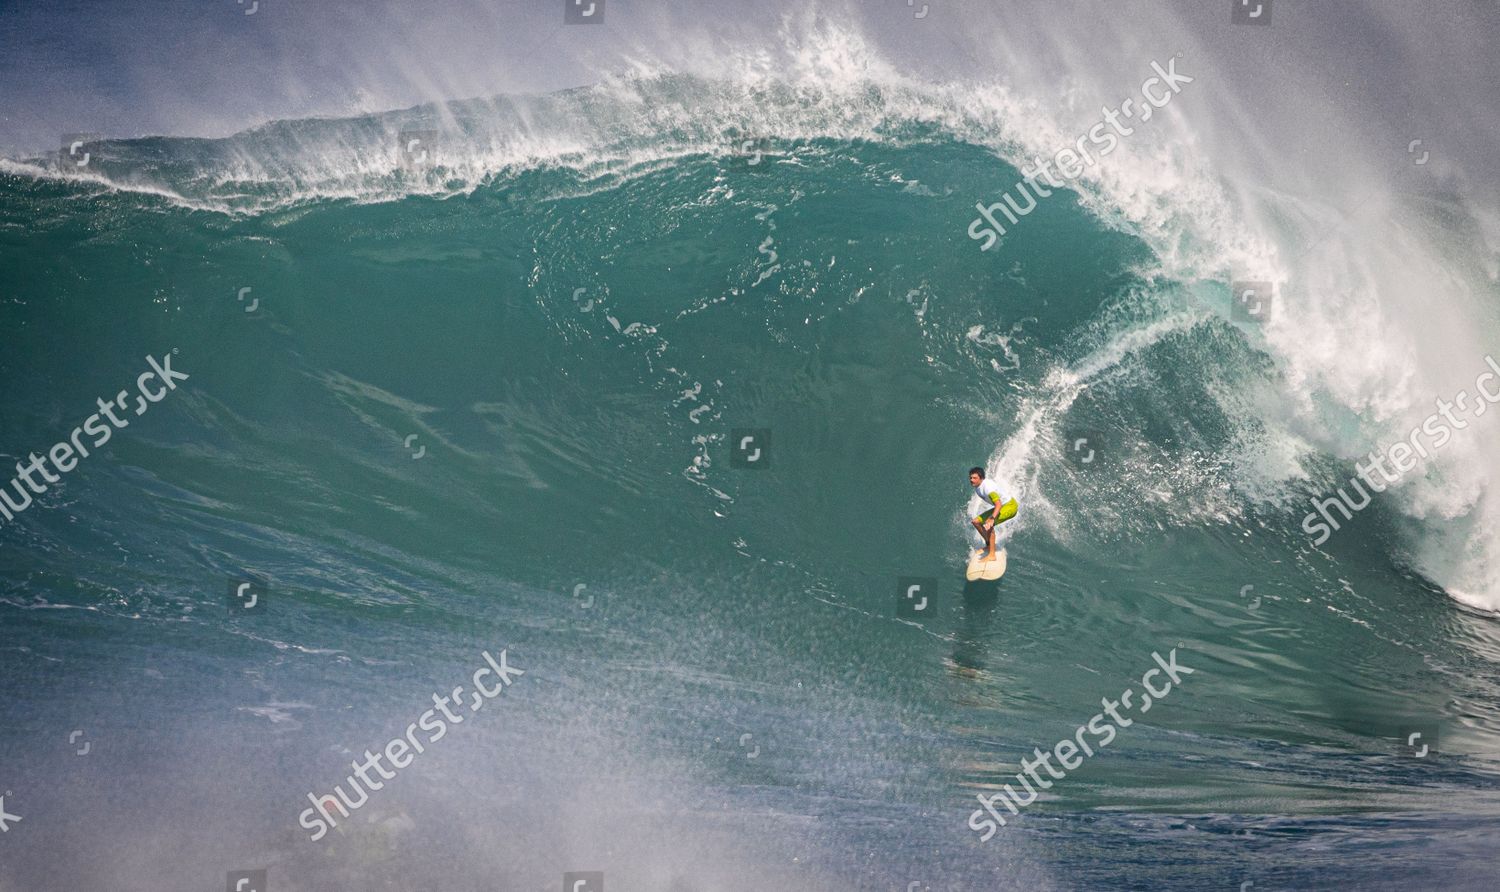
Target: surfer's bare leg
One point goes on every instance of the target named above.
(988, 535)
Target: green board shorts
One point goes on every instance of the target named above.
(1007, 511)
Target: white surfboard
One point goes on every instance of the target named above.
(991, 569)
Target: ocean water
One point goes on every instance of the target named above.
(491, 399)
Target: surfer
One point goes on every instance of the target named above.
(1003, 509)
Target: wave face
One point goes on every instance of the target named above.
(471, 376)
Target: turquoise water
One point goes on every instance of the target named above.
(480, 412)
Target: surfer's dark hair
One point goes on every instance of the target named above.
(979, 471)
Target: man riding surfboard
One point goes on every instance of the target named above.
(1004, 508)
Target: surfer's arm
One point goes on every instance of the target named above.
(995, 517)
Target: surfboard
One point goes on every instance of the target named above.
(988, 570)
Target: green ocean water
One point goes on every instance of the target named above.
(451, 414)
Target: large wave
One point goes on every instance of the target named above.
(1383, 269)
(468, 373)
